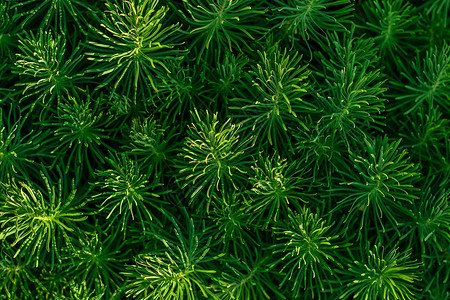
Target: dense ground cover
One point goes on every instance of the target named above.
(224, 149)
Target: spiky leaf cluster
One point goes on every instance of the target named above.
(48, 73)
(379, 187)
(97, 260)
(57, 14)
(381, 275)
(273, 103)
(428, 79)
(126, 194)
(224, 149)
(213, 157)
(83, 130)
(277, 187)
(133, 46)
(222, 24)
(392, 25)
(151, 144)
(40, 221)
(309, 250)
(179, 269)
(231, 226)
(251, 280)
(17, 275)
(311, 18)
(20, 149)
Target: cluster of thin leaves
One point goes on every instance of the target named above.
(224, 149)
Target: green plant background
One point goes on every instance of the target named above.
(224, 149)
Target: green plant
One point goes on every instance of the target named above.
(310, 253)
(18, 148)
(49, 13)
(133, 47)
(321, 151)
(179, 269)
(224, 149)
(347, 49)
(82, 128)
(311, 18)
(438, 9)
(213, 157)
(180, 90)
(96, 260)
(430, 218)
(428, 82)
(81, 292)
(51, 282)
(379, 189)
(438, 271)
(350, 104)
(127, 195)
(252, 280)
(7, 31)
(382, 275)
(272, 104)
(17, 278)
(46, 71)
(277, 187)
(152, 144)
(222, 24)
(430, 136)
(392, 25)
(39, 222)
(351, 90)
(231, 226)
(227, 77)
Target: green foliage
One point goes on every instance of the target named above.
(133, 47)
(47, 72)
(347, 48)
(273, 101)
(152, 144)
(349, 101)
(96, 260)
(7, 30)
(251, 280)
(392, 25)
(224, 149)
(428, 82)
(438, 272)
(222, 24)
(39, 221)
(126, 194)
(277, 186)
(431, 218)
(310, 254)
(311, 18)
(232, 228)
(380, 184)
(58, 14)
(83, 130)
(179, 269)
(79, 291)
(438, 10)
(213, 157)
(321, 151)
(228, 73)
(432, 131)
(382, 276)
(16, 275)
(350, 104)
(18, 148)
(180, 90)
